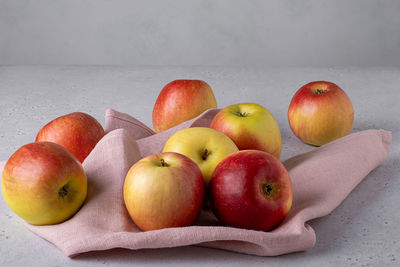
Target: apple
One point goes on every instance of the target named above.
(320, 112)
(205, 146)
(181, 100)
(164, 190)
(43, 183)
(251, 189)
(77, 132)
(250, 126)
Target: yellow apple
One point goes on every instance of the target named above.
(205, 146)
(250, 126)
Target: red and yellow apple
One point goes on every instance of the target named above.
(77, 132)
(43, 183)
(164, 190)
(320, 112)
(250, 126)
(181, 100)
(205, 146)
(251, 189)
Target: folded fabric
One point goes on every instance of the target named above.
(103, 222)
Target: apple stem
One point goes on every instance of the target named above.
(240, 114)
(63, 191)
(267, 188)
(205, 154)
(320, 91)
(163, 164)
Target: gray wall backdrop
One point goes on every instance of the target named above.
(194, 32)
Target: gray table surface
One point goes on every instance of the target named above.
(363, 231)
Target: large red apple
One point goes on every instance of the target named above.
(43, 183)
(181, 100)
(164, 190)
(77, 132)
(320, 112)
(251, 189)
(250, 126)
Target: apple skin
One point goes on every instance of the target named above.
(250, 126)
(320, 112)
(77, 132)
(205, 146)
(251, 189)
(181, 100)
(164, 190)
(43, 183)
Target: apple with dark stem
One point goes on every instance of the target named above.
(164, 190)
(205, 146)
(43, 183)
(250, 126)
(251, 189)
(320, 112)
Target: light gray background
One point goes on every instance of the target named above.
(201, 32)
(255, 45)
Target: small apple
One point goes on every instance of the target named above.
(77, 132)
(205, 146)
(251, 189)
(250, 126)
(43, 183)
(164, 190)
(320, 112)
(181, 100)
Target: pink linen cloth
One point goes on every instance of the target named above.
(103, 221)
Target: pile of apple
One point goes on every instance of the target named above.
(232, 166)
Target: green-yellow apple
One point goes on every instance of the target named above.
(77, 132)
(164, 190)
(251, 189)
(205, 146)
(250, 126)
(181, 100)
(43, 183)
(320, 112)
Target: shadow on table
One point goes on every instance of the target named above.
(178, 255)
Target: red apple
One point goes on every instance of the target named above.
(320, 112)
(251, 189)
(43, 183)
(77, 132)
(250, 126)
(181, 100)
(164, 190)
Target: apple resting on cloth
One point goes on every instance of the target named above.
(181, 100)
(164, 190)
(320, 112)
(205, 146)
(77, 132)
(250, 126)
(43, 183)
(251, 189)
